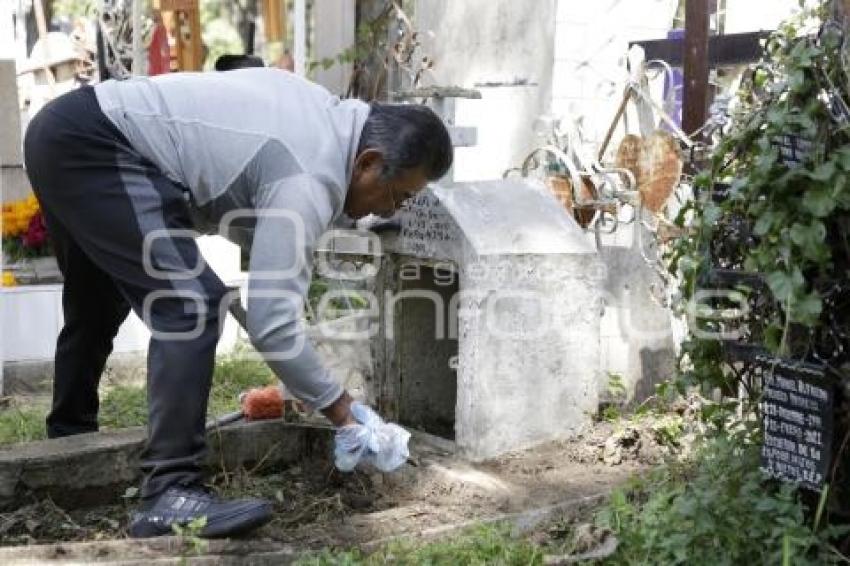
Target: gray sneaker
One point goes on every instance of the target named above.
(180, 505)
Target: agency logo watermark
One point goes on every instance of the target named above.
(509, 298)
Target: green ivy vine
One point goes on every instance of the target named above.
(796, 213)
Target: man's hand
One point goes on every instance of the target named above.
(339, 412)
(370, 441)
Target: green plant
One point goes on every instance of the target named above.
(716, 509)
(611, 413)
(616, 387)
(73, 9)
(336, 307)
(19, 424)
(613, 398)
(123, 406)
(668, 429)
(786, 204)
(484, 544)
(783, 221)
(234, 374)
(370, 41)
(126, 406)
(190, 535)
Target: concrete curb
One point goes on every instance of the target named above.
(92, 469)
(162, 550)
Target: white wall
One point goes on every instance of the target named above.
(7, 30)
(591, 40)
(756, 15)
(505, 50)
(333, 29)
(31, 315)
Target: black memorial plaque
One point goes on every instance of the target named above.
(797, 418)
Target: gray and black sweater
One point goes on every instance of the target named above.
(266, 158)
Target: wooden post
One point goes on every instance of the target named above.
(182, 18)
(695, 100)
(840, 12)
(197, 46)
(273, 21)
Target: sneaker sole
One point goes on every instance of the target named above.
(238, 524)
(231, 525)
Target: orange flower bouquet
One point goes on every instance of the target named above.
(24, 231)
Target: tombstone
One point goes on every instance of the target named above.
(490, 318)
(13, 179)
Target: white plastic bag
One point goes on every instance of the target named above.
(371, 441)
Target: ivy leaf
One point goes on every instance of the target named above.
(843, 156)
(737, 185)
(711, 214)
(809, 238)
(806, 123)
(765, 162)
(760, 78)
(777, 117)
(808, 309)
(803, 53)
(781, 285)
(823, 172)
(702, 180)
(840, 183)
(842, 196)
(819, 202)
(799, 234)
(772, 337)
(797, 79)
(763, 224)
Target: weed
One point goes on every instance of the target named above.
(485, 544)
(668, 429)
(611, 413)
(613, 398)
(22, 424)
(190, 535)
(337, 306)
(235, 373)
(616, 388)
(718, 508)
(123, 406)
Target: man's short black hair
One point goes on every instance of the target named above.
(408, 136)
(230, 62)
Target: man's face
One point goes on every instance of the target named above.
(369, 193)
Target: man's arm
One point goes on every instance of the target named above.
(292, 215)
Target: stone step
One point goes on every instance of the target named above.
(95, 468)
(35, 377)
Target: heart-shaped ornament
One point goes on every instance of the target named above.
(656, 164)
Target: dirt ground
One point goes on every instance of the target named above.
(316, 506)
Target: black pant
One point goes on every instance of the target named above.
(100, 199)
